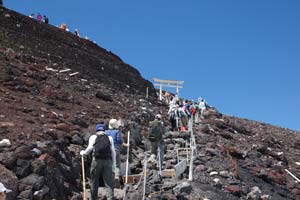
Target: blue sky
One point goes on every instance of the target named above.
(242, 56)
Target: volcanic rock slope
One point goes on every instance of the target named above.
(54, 88)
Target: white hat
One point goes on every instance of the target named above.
(113, 124)
(3, 188)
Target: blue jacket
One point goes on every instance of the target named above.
(117, 137)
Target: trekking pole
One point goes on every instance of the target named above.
(127, 166)
(145, 179)
(83, 178)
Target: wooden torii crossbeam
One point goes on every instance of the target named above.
(167, 83)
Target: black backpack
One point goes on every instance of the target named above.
(156, 131)
(102, 148)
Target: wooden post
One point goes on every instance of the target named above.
(147, 92)
(160, 92)
(127, 166)
(83, 178)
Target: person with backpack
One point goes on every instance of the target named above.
(46, 19)
(114, 132)
(103, 162)
(39, 17)
(155, 136)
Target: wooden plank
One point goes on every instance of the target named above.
(170, 173)
(133, 179)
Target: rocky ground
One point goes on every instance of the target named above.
(48, 112)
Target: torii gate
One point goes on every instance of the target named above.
(167, 83)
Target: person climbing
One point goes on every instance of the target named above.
(155, 136)
(3, 191)
(103, 162)
(39, 17)
(114, 132)
(183, 119)
(32, 15)
(193, 110)
(63, 26)
(202, 107)
(76, 32)
(167, 97)
(173, 116)
(46, 19)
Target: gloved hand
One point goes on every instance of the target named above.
(82, 152)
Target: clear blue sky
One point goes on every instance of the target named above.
(242, 56)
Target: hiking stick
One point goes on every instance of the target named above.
(83, 178)
(127, 166)
(145, 179)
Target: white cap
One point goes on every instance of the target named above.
(113, 124)
(3, 188)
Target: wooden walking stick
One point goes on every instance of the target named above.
(83, 178)
(127, 166)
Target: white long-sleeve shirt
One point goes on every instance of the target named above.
(91, 144)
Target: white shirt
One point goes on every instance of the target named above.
(202, 105)
(92, 141)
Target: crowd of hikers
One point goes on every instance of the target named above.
(40, 18)
(181, 111)
(43, 18)
(105, 147)
(106, 144)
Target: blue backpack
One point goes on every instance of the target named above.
(116, 135)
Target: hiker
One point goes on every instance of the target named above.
(3, 191)
(167, 97)
(173, 116)
(155, 136)
(186, 108)
(183, 118)
(193, 110)
(32, 15)
(135, 131)
(63, 26)
(116, 134)
(39, 17)
(1, 2)
(202, 107)
(76, 32)
(46, 19)
(103, 162)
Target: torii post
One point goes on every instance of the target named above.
(167, 83)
